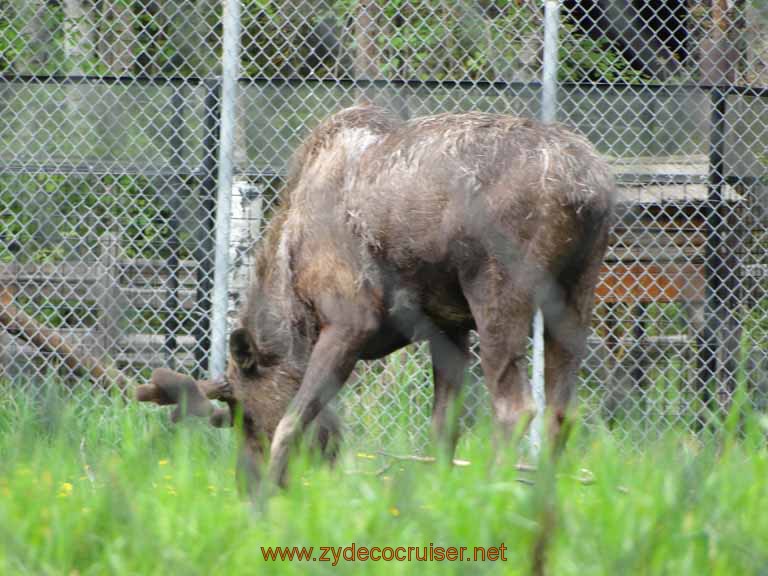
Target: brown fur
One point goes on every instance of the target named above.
(391, 232)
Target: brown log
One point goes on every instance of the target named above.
(21, 324)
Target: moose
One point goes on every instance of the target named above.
(391, 232)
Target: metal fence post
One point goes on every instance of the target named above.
(548, 114)
(204, 245)
(715, 249)
(549, 64)
(229, 72)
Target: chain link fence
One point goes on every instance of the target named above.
(111, 164)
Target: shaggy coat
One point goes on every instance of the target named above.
(390, 232)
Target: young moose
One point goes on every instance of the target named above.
(390, 232)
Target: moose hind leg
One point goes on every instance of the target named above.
(567, 307)
(503, 311)
(450, 355)
(563, 352)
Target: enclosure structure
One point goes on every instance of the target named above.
(118, 153)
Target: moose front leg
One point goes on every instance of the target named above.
(333, 358)
(324, 439)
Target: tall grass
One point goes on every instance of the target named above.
(115, 490)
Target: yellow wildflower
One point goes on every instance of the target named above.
(65, 490)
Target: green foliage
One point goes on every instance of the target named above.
(50, 216)
(11, 42)
(267, 51)
(582, 58)
(163, 38)
(112, 489)
(423, 39)
(430, 40)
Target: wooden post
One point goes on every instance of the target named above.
(718, 53)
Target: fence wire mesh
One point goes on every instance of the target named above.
(109, 165)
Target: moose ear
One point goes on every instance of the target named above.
(242, 348)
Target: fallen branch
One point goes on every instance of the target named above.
(19, 323)
(585, 479)
(417, 458)
(456, 461)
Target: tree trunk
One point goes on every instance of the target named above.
(717, 53)
(79, 36)
(365, 35)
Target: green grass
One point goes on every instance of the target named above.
(115, 490)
